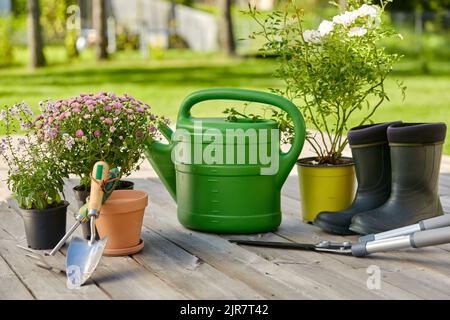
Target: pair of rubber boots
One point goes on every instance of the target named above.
(397, 169)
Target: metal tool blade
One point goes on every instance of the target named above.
(323, 246)
(281, 245)
(82, 258)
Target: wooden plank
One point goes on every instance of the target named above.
(267, 278)
(444, 183)
(350, 282)
(405, 275)
(307, 233)
(167, 231)
(11, 288)
(445, 164)
(291, 188)
(123, 277)
(43, 284)
(394, 287)
(445, 200)
(188, 273)
(179, 269)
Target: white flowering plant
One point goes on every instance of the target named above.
(334, 73)
(35, 178)
(90, 127)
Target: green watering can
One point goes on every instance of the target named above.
(226, 176)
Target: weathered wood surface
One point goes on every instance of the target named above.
(183, 264)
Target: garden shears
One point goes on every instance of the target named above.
(429, 232)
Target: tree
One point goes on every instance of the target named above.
(35, 42)
(412, 5)
(226, 35)
(99, 19)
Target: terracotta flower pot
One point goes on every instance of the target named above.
(81, 195)
(120, 220)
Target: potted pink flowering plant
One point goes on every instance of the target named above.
(90, 127)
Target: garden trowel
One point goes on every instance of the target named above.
(83, 256)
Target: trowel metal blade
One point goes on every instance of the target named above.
(82, 259)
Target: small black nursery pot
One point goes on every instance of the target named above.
(45, 227)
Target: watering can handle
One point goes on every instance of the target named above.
(287, 159)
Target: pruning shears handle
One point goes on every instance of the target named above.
(428, 224)
(429, 232)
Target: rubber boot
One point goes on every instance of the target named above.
(416, 150)
(370, 152)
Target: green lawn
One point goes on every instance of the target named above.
(164, 82)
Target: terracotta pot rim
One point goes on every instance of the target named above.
(134, 200)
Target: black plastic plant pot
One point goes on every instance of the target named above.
(81, 196)
(45, 227)
(125, 185)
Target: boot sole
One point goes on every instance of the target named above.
(334, 229)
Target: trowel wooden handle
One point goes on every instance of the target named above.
(99, 175)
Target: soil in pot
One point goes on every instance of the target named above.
(121, 221)
(325, 187)
(81, 195)
(44, 228)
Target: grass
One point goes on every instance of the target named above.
(164, 82)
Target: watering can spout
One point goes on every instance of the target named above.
(160, 157)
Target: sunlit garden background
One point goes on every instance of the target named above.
(160, 51)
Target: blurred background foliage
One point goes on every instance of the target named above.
(425, 25)
(164, 76)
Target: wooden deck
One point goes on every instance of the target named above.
(178, 263)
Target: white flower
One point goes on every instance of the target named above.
(325, 27)
(346, 18)
(367, 10)
(400, 36)
(357, 32)
(312, 36)
(26, 109)
(14, 110)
